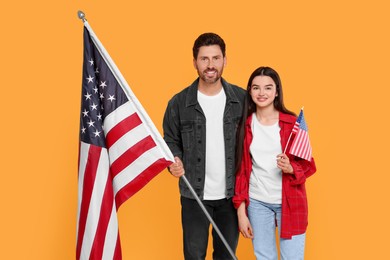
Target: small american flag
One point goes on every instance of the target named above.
(120, 152)
(300, 146)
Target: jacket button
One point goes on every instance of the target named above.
(198, 159)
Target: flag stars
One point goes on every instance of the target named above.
(85, 112)
(90, 78)
(91, 123)
(87, 96)
(103, 84)
(101, 96)
(97, 133)
(111, 98)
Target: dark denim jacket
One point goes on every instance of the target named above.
(185, 133)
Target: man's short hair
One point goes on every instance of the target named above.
(207, 39)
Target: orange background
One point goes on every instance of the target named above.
(333, 58)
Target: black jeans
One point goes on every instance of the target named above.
(196, 228)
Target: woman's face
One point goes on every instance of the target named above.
(263, 91)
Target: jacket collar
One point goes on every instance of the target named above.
(192, 94)
(287, 118)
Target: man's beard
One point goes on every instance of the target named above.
(208, 80)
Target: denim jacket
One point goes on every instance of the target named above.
(185, 134)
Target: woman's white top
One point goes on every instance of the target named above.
(265, 182)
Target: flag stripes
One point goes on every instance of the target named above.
(106, 207)
(131, 155)
(130, 183)
(92, 180)
(122, 128)
(300, 146)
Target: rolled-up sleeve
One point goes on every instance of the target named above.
(241, 189)
(302, 170)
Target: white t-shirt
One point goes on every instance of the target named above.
(265, 182)
(215, 181)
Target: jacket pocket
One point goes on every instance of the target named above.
(187, 134)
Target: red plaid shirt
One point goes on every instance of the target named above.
(294, 201)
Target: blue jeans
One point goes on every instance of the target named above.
(263, 218)
(196, 228)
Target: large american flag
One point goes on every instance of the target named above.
(300, 146)
(120, 151)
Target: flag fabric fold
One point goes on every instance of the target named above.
(300, 146)
(120, 151)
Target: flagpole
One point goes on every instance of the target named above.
(120, 78)
(288, 141)
(209, 217)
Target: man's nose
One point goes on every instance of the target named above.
(210, 63)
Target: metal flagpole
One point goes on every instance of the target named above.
(209, 217)
(81, 15)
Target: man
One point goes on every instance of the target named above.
(200, 126)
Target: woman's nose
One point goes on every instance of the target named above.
(261, 92)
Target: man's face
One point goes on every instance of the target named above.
(210, 63)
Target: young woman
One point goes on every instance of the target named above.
(270, 185)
